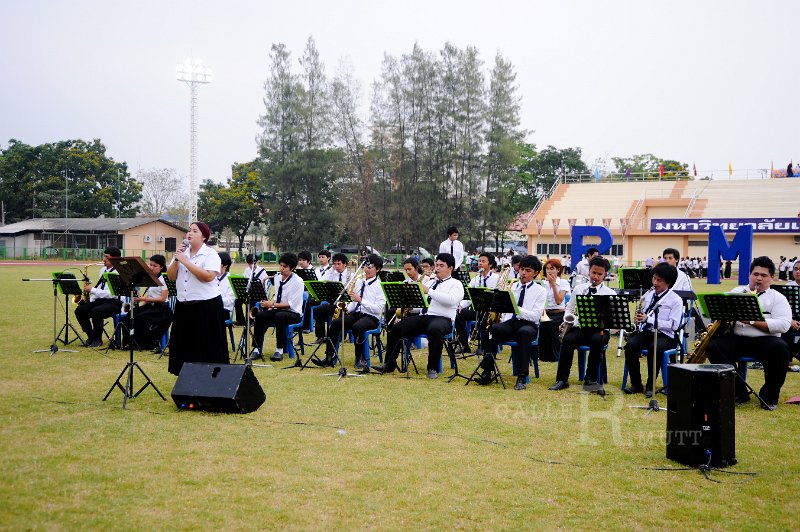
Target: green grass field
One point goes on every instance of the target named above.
(376, 452)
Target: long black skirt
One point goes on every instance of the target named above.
(152, 321)
(198, 334)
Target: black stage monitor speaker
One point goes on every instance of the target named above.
(229, 388)
(700, 414)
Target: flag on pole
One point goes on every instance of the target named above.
(661, 170)
(694, 167)
(627, 172)
(771, 169)
(730, 170)
(596, 174)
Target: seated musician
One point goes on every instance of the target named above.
(225, 288)
(101, 303)
(790, 337)
(253, 271)
(153, 316)
(759, 339)
(363, 313)
(557, 290)
(669, 307)
(324, 257)
(323, 313)
(485, 278)
(428, 270)
(413, 275)
(444, 295)
(596, 339)
(304, 260)
(530, 297)
(515, 267)
(284, 309)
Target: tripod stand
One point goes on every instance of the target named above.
(59, 280)
(133, 272)
(251, 292)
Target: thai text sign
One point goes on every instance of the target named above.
(702, 225)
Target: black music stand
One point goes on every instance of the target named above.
(603, 312)
(481, 298)
(172, 294)
(251, 291)
(65, 283)
(118, 288)
(493, 300)
(464, 277)
(633, 283)
(397, 276)
(328, 291)
(405, 295)
(134, 273)
(306, 274)
(792, 294)
(733, 307)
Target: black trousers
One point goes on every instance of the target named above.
(90, 316)
(322, 314)
(771, 351)
(464, 316)
(310, 302)
(435, 327)
(549, 342)
(633, 348)
(359, 323)
(595, 339)
(521, 331)
(279, 318)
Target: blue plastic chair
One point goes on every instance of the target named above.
(534, 359)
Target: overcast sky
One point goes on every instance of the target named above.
(705, 82)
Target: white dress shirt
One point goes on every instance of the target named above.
(582, 290)
(561, 284)
(189, 287)
(670, 311)
(258, 275)
(156, 292)
(333, 275)
(533, 304)
(373, 301)
(291, 293)
(481, 281)
(444, 299)
(582, 268)
(320, 271)
(457, 250)
(683, 282)
(101, 290)
(226, 290)
(777, 313)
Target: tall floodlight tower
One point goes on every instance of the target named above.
(193, 73)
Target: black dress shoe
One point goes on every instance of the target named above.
(559, 385)
(742, 399)
(630, 390)
(359, 364)
(768, 406)
(648, 393)
(484, 378)
(96, 343)
(325, 363)
(520, 385)
(384, 368)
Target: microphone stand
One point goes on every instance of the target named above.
(246, 354)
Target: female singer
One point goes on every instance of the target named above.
(153, 315)
(198, 330)
(557, 290)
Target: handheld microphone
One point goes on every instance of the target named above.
(185, 243)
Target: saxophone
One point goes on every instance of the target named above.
(84, 296)
(699, 354)
(566, 325)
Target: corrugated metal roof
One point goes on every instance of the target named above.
(77, 225)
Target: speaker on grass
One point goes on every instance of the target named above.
(700, 414)
(229, 388)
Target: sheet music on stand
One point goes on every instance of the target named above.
(115, 284)
(327, 291)
(603, 312)
(464, 277)
(404, 295)
(481, 298)
(239, 284)
(306, 274)
(636, 278)
(792, 294)
(67, 284)
(731, 307)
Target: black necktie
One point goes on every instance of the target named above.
(280, 291)
(453, 253)
(435, 284)
(361, 294)
(483, 279)
(656, 298)
(592, 290)
(522, 296)
(102, 283)
(340, 277)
